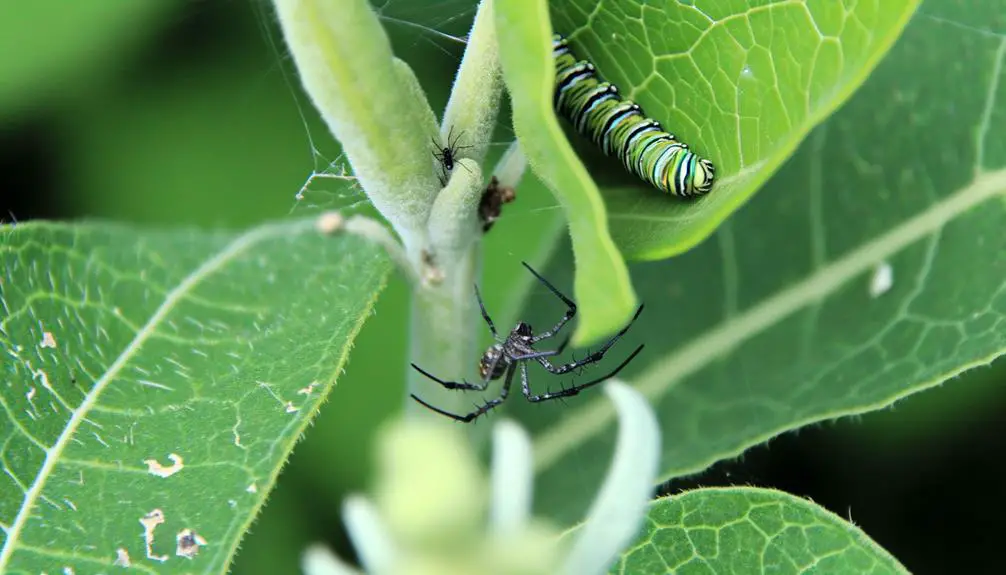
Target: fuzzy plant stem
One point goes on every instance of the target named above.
(443, 339)
(445, 313)
(445, 329)
(374, 105)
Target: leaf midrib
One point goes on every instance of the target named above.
(554, 442)
(239, 245)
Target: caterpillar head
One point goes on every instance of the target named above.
(702, 177)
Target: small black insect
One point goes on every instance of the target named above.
(449, 155)
(506, 355)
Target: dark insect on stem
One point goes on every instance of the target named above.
(509, 354)
(491, 204)
(448, 156)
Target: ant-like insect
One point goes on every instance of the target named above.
(448, 156)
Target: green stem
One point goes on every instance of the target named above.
(371, 103)
(375, 107)
(443, 337)
(445, 317)
(445, 313)
(474, 103)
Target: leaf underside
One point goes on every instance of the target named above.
(749, 530)
(161, 375)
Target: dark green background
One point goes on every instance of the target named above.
(190, 114)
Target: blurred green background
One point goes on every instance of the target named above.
(163, 112)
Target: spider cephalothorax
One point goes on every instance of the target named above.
(507, 355)
(495, 361)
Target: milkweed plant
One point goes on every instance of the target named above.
(431, 510)
(155, 381)
(374, 105)
(428, 512)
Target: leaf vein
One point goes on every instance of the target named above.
(553, 442)
(177, 294)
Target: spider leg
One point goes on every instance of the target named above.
(524, 386)
(562, 398)
(575, 389)
(463, 384)
(485, 314)
(453, 145)
(570, 307)
(480, 410)
(593, 357)
(536, 355)
(441, 156)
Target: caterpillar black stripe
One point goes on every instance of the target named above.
(621, 129)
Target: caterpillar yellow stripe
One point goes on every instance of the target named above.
(621, 129)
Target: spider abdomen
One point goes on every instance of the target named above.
(493, 363)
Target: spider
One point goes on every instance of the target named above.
(506, 355)
(447, 156)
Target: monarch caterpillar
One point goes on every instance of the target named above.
(621, 130)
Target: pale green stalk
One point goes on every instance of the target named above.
(374, 105)
(471, 112)
(511, 167)
(443, 336)
(371, 104)
(445, 318)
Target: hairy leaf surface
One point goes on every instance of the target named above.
(872, 266)
(749, 530)
(154, 383)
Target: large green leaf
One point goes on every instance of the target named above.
(784, 318)
(742, 82)
(171, 371)
(748, 530)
